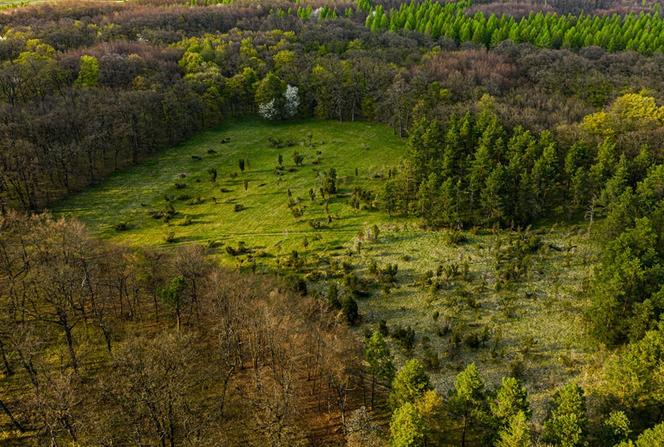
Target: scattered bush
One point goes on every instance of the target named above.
(122, 226)
(404, 336)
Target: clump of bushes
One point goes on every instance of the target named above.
(122, 226)
(241, 249)
(278, 143)
(169, 238)
(238, 207)
(166, 214)
(180, 185)
(455, 237)
(405, 337)
(512, 257)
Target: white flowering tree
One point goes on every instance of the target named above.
(276, 99)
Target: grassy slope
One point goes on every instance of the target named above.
(537, 323)
(266, 222)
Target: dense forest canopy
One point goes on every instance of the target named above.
(516, 118)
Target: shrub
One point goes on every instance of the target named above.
(405, 337)
(238, 207)
(350, 310)
(455, 237)
(122, 226)
(169, 238)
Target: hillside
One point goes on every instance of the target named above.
(534, 330)
(361, 153)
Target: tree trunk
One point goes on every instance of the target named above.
(70, 345)
(8, 368)
(11, 417)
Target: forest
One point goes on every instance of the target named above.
(332, 223)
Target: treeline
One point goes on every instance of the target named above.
(100, 345)
(475, 413)
(472, 170)
(642, 33)
(84, 97)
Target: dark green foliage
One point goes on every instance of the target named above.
(333, 296)
(329, 182)
(404, 336)
(513, 256)
(350, 309)
(628, 297)
(212, 174)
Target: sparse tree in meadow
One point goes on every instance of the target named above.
(566, 424)
(409, 383)
(377, 355)
(469, 400)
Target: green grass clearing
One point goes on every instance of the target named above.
(266, 223)
(535, 326)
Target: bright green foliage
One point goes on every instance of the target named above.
(377, 355)
(88, 73)
(643, 33)
(511, 399)
(409, 383)
(269, 88)
(652, 437)
(430, 407)
(516, 433)
(566, 424)
(628, 112)
(407, 428)
(631, 272)
(636, 377)
(173, 295)
(615, 428)
(469, 400)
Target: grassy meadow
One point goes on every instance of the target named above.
(206, 209)
(533, 329)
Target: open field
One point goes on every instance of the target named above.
(532, 329)
(265, 222)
